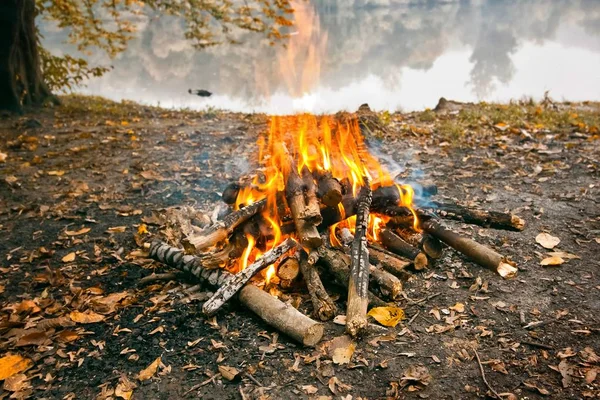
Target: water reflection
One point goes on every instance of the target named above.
(392, 55)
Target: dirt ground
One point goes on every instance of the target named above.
(78, 181)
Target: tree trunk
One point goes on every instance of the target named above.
(21, 80)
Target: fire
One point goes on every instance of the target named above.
(247, 252)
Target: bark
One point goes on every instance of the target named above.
(323, 307)
(358, 285)
(396, 244)
(389, 262)
(389, 286)
(477, 252)
(329, 189)
(228, 289)
(21, 80)
(289, 268)
(484, 218)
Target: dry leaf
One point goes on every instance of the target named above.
(117, 229)
(142, 229)
(540, 390)
(566, 370)
(387, 316)
(590, 375)
(309, 389)
(56, 173)
(15, 383)
(79, 232)
(229, 373)
(88, 317)
(13, 364)
(124, 388)
(547, 241)
(69, 258)
(458, 307)
(341, 349)
(416, 374)
(33, 338)
(3, 157)
(149, 371)
(550, 261)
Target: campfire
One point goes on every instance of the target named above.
(320, 210)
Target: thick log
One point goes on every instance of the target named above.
(390, 262)
(432, 246)
(323, 307)
(329, 189)
(281, 316)
(220, 230)
(312, 212)
(396, 244)
(389, 286)
(176, 258)
(228, 289)
(306, 216)
(477, 252)
(338, 264)
(289, 268)
(358, 285)
(484, 218)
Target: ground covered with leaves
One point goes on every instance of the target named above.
(80, 185)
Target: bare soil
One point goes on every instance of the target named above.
(107, 167)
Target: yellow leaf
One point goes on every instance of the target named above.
(142, 229)
(3, 157)
(88, 317)
(56, 173)
(13, 364)
(554, 260)
(124, 123)
(387, 316)
(69, 258)
(547, 241)
(149, 371)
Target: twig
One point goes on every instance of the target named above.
(410, 321)
(491, 389)
(157, 277)
(537, 324)
(253, 379)
(536, 344)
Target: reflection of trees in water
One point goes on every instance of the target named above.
(361, 41)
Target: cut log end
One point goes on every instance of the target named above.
(506, 270)
(420, 262)
(518, 222)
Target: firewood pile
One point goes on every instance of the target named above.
(319, 212)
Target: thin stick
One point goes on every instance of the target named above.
(358, 285)
(157, 277)
(483, 376)
(323, 307)
(232, 286)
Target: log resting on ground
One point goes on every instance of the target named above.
(396, 244)
(323, 307)
(475, 216)
(358, 285)
(279, 315)
(228, 289)
(477, 252)
(220, 230)
(389, 286)
(390, 262)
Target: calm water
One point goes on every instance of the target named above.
(390, 54)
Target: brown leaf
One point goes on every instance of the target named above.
(13, 364)
(590, 375)
(88, 317)
(551, 261)
(16, 383)
(547, 241)
(566, 370)
(125, 388)
(149, 371)
(79, 232)
(107, 304)
(458, 307)
(539, 389)
(69, 258)
(32, 338)
(416, 374)
(309, 389)
(341, 349)
(117, 229)
(229, 373)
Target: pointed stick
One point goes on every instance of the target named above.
(233, 285)
(358, 285)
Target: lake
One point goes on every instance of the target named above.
(394, 55)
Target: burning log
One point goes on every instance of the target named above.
(338, 264)
(228, 289)
(302, 201)
(220, 230)
(329, 189)
(230, 193)
(389, 286)
(397, 245)
(477, 252)
(389, 262)
(484, 218)
(358, 285)
(324, 308)
(279, 315)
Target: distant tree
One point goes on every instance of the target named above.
(29, 73)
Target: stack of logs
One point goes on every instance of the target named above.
(369, 271)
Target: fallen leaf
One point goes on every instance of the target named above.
(149, 371)
(387, 316)
(416, 374)
(34, 338)
(117, 229)
(540, 390)
(13, 364)
(309, 389)
(125, 388)
(341, 349)
(547, 241)
(56, 173)
(590, 375)
(79, 232)
(458, 307)
(69, 258)
(566, 370)
(15, 383)
(142, 229)
(3, 157)
(550, 261)
(229, 373)
(88, 317)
